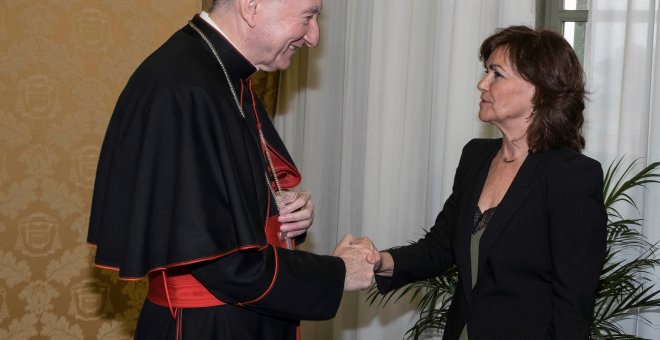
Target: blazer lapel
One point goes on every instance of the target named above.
(474, 184)
(514, 197)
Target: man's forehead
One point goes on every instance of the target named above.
(313, 6)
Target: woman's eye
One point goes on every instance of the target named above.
(495, 73)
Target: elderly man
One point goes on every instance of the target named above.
(191, 187)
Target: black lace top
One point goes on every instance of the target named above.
(481, 220)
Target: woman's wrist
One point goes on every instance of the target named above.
(385, 267)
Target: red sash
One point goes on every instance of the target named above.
(177, 288)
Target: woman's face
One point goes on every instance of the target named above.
(506, 98)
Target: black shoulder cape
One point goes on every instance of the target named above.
(180, 177)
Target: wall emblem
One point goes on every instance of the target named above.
(39, 97)
(84, 162)
(90, 300)
(38, 235)
(91, 30)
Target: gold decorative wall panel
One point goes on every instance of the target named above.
(266, 86)
(62, 66)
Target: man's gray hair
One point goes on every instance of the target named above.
(219, 3)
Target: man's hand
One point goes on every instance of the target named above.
(297, 215)
(354, 252)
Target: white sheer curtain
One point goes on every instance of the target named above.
(623, 118)
(377, 115)
(376, 118)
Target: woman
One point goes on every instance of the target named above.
(525, 223)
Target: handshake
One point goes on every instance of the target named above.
(361, 259)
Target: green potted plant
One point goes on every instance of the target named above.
(624, 289)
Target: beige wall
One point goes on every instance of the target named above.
(62, 66)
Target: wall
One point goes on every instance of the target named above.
(62, 66)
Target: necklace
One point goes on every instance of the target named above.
(514, 159)
(279, 195)
(508, 160)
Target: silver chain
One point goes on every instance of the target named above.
(279, 202)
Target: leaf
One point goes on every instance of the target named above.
(623, 289)
(60, 329)
(68, 266)
(136, 291)
(18, 197)
(13, 60)
(67, 131)
(13, 272)
(20, 329)
(13, 133)
(433, 305)
(39, 161)
(113, 330)
(60, 198)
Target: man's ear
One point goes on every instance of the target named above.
(248, 11)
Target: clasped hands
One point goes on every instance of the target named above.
(359, 256)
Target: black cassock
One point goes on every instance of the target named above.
(180, 185)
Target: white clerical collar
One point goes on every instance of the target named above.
(205, 15)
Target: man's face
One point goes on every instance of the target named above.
(281, 27)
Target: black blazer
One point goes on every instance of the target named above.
(540, 257)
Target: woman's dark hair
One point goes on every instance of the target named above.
(546, 60)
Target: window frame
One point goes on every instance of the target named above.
(551, 14)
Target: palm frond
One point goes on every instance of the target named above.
(624, 289)
(617, 190)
